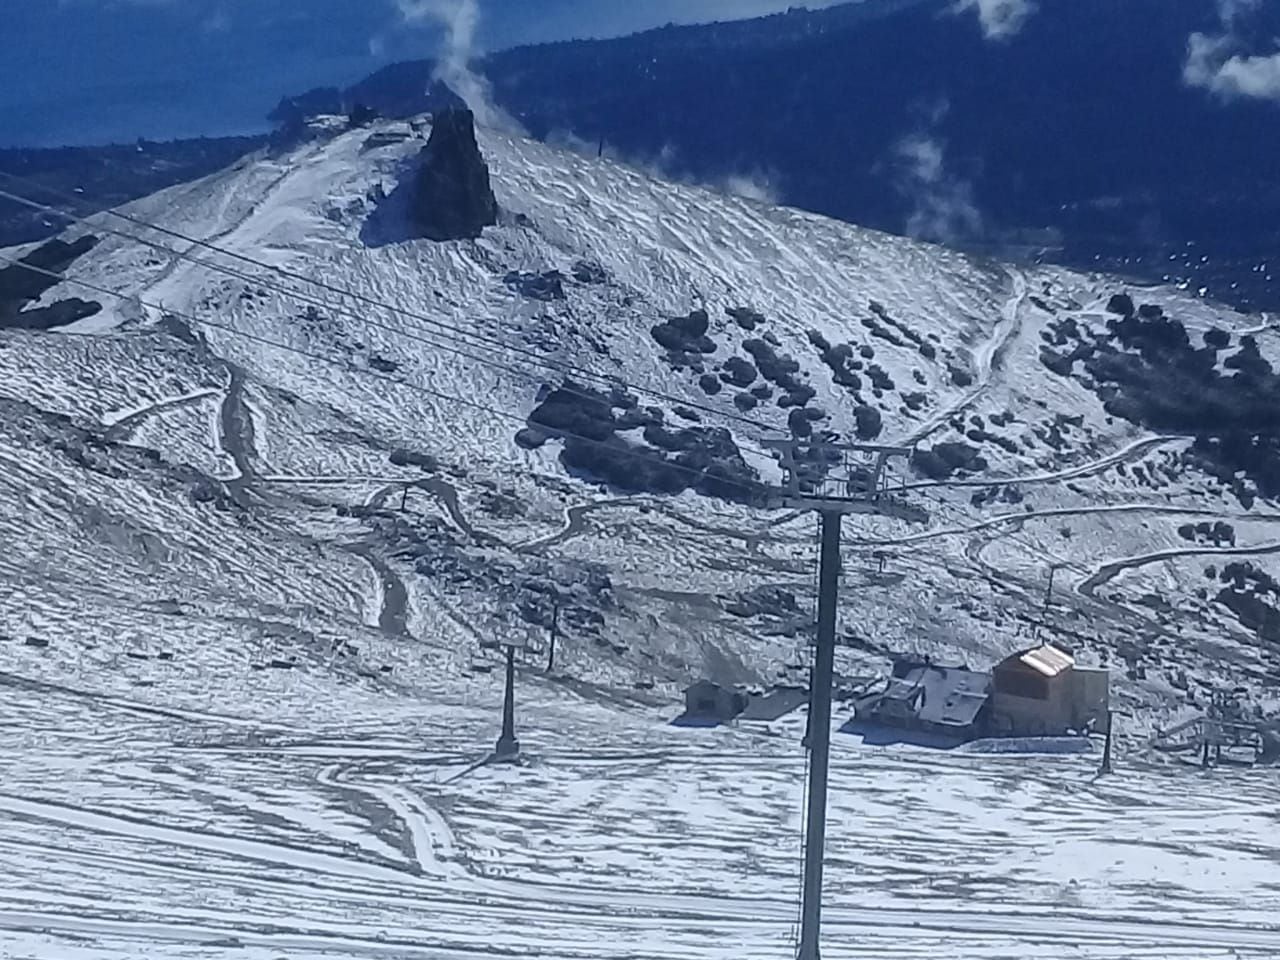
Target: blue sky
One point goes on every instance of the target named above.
(91, 71)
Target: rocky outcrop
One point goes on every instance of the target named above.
(547, 285)
(20, 285)
(589, 271)
(453, 199)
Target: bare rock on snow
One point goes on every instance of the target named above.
(453, 199)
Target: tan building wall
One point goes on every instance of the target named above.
(1026, 703)
(1027, 717)
(1072, 699)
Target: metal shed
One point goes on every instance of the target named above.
(775, 704)
(948, 701)
(707, 701)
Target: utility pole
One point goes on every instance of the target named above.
(1048, 594)
(844, 483)
(815, 833)
(508, 747)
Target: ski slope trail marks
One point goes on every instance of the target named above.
(457, 887)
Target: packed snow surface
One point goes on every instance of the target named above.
(249, 663)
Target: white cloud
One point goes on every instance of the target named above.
(1002, 19)
(1221, 64)
(924, 156)
(756, 186)
(1232, 10)
(943, 208)
(1231, 76)
(459, 20)
(1257, 77)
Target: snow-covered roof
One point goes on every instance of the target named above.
(1048, 660)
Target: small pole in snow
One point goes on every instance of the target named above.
(1048, 594)
(600, 149)
(508, 747)
(1106, 749)
(555, 631)
(404, 496)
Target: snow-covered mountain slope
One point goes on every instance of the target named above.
(202, 489)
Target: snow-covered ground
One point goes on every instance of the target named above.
(372, 834)
(245, 692)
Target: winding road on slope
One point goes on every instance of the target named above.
(1017, 518)
(237, 440)
(236, 433)
(1134, 451)
(575, 523)
(444, 491)
(394, 609)
(1113, 568)
(987, 359)
(119, 431)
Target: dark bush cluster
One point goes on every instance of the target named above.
(902, 328)
(782, 370)
(670, 460)
(589, 271)
(1147, 371)
(739, 372)
(948, 459)
(869, 422)
(403, 457)
(1204, 532)
(840, 358)
(745, 318)
(687, 334)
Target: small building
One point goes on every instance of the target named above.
(708, 701)
(951, 703)
(1041, 692)
(776, 704)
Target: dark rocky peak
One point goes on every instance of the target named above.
(452, 198)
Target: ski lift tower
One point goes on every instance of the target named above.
(833, 480)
